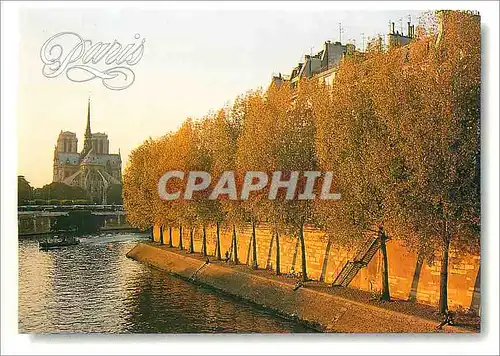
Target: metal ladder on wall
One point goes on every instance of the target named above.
(351, 268)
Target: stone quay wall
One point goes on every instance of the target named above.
(409, 278)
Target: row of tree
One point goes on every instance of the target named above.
(400, 130)
(60, 193)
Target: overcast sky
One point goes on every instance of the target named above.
(193, 61)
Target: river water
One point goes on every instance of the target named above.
(94, 288)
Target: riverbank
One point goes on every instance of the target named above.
(119, 229)
(324, 308)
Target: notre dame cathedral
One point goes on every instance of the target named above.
(93, 169)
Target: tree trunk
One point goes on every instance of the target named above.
(217, 250)
(191, 241)
(235, 246)
(180, 238)
(153, 234)
(170, 236)
(386, 295)
(254, 247)
(416, 277)
(161, 235)
(278, 270)
(303, 252)
(204, 241)
(443, 295)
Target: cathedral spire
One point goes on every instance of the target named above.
(88, 132)
(87, 143)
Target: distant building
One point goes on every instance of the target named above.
(324, 64)
(396, 39)
(93, 169)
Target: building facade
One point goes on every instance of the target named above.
(93, 169)
(324, 64)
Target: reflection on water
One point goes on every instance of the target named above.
(93, 287)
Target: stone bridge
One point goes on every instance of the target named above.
(35, 219)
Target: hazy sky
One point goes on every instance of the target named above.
(193, 61)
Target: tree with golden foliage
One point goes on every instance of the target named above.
(255, 137)
(441, 200)
(220, 136)
(137, 196)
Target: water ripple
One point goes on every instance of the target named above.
(91, 288)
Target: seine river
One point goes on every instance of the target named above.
(94, 288)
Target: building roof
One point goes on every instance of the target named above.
(74, 159)
(67, 158)
(101, 159)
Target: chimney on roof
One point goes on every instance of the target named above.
(392, 28)
(409, 29)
